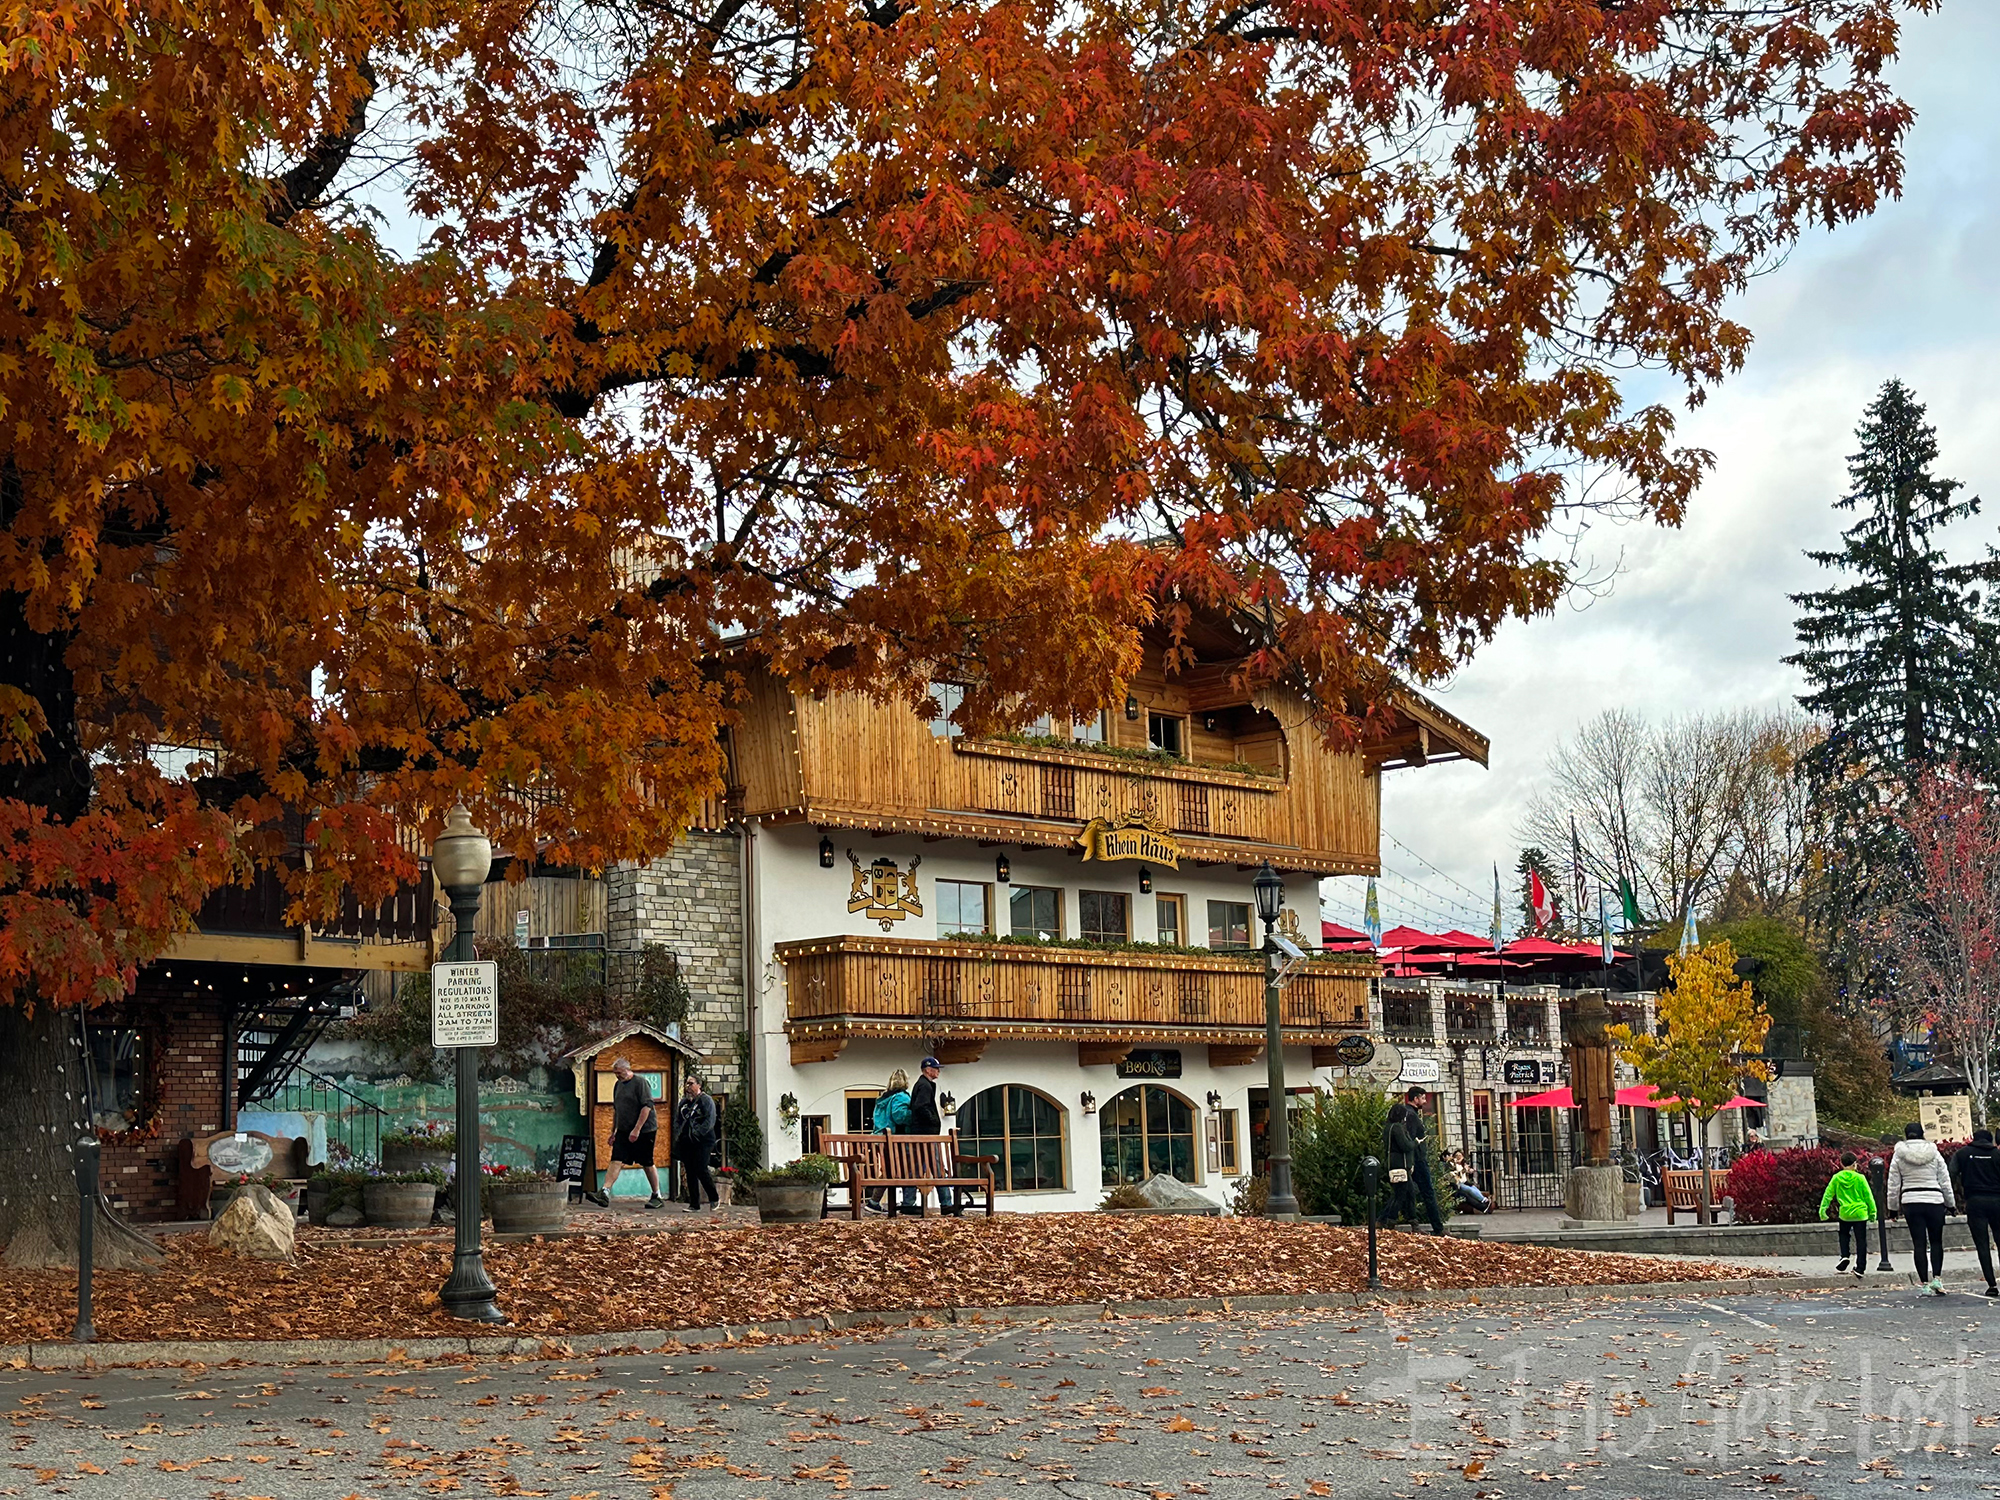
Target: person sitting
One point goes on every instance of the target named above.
(1464, 1189)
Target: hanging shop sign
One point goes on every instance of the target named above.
(1521, 1070)
(884, 893)
(1150, 1064)
(1420, 1070)
(1354, 1051)
(1136, 835)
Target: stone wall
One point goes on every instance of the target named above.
(691, 902)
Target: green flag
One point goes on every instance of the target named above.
(1630, 901)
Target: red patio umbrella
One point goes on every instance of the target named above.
(1413, 937)
(1333, 932)
(1640, 1096)
(1553, 1099)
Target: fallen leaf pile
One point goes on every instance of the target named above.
(597, 1284)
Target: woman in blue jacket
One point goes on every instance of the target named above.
(891, 1117)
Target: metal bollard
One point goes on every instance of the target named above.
(86, 1233)
(1371, 1181)
(1880, 1173)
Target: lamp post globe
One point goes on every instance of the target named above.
(1269, 889)
(461, 859)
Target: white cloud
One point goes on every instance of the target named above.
(1698, 618)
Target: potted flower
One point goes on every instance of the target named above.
(331, 1189)
(420, 1146)
(730, 1187)
(526, 1201)
(796, 1192)
(224, 1189)
(402, 1200)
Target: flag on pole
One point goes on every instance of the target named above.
(1371, 920)
(1628, 899)
(1604, 927)
(1496, 907)
(1538, 899)
(1576, 882)
(1690, 934)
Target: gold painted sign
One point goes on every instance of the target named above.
(883, 892)
(1134, 836)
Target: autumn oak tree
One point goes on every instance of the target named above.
(403, 397)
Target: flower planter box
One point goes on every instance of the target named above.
(790, 1202)
(406, 1156)
(399, 1205)
(529, 1207)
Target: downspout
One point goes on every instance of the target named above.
(752, 1017)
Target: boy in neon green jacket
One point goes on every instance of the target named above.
(1856, 1201)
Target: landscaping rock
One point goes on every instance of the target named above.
(1163, 1191)
(345, 1217)
(256, 1225)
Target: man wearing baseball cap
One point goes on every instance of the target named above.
(925, 1120)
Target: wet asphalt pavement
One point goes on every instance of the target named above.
(1790, 1394)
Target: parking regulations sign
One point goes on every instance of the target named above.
(465, 1004)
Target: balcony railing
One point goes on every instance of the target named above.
(259, 908)
(902, 986)
(1077, 785)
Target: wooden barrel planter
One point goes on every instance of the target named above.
(790, 1202)
(416, 1156)
(528, 1207)
(399, 1205)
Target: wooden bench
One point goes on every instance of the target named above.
(198, 1175)
(1683, 1190)
(919, 1161)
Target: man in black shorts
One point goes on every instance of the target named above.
(635, 1129)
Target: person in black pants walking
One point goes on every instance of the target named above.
(1920, 1186)
(1408, 1114)
(694, 1142)
(1977, 1169)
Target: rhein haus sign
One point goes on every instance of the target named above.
(1133, 836)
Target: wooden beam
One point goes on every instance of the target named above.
(817, 1049)
(1102, 1054)
(285, 949)
(1229, 1055)
(956, 1052)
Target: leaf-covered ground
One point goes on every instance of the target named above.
(594, 1284)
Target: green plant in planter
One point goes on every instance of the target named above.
(342, 1188)
(508, 1178)
(818, 1171)
(423, 1140)
(428, 1174)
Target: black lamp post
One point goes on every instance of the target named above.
(461, 860)
(1270, 891)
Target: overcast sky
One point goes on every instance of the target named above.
(1698, 618)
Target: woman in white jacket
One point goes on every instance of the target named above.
(1920, 1188)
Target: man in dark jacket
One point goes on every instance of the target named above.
(1977, 1168)
(694, 1142)
(925, 1120)
(1407, 1116)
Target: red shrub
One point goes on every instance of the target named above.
(1782, 1187)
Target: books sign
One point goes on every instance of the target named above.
(465, 1004)
(1133, 836)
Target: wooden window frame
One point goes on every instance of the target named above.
(985, 902)
(1180, 721)
(1056, 890)
(1084, 937)
(1001, 1177)
(1198, 1135)
(1248, 931)
(1229, 1143)
(1180, 903)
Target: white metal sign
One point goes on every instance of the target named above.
(465, 1004)
(1421, 1070)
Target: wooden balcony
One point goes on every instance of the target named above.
(957, 996)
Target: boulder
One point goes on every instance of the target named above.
(256, 1225)
(1163, 1191)
(345, 1217)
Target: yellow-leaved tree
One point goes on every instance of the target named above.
(1710, 1023)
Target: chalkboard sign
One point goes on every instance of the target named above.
(575, 1154)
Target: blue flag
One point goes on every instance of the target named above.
(1371, 920)
(1690, 934)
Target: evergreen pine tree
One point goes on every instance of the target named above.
(1902, 662)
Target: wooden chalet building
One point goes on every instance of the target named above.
(1062, 916)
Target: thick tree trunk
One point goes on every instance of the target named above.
(41, 1120)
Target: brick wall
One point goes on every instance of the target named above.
(185, 1019)
(691, 902)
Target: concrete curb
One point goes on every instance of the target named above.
(68, 1356)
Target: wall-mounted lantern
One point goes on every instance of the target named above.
(1214, 1100)
(1089, 1102)
(1131, 706)
(1003, 868)
(1145, 881)
(825, 852)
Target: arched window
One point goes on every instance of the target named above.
(1021, 1127)
(1146, 1130)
